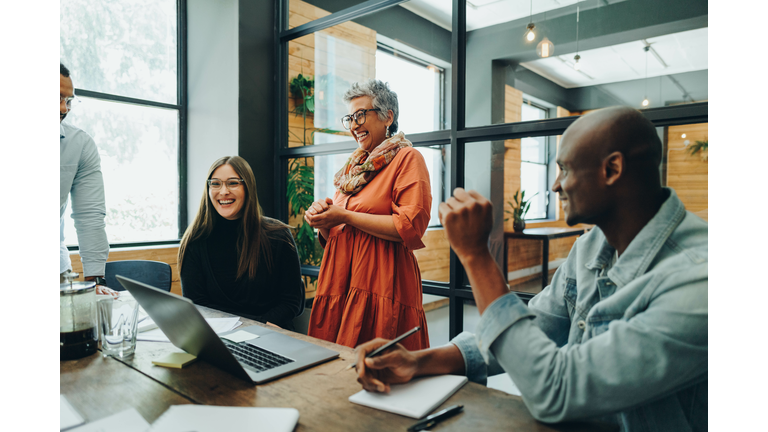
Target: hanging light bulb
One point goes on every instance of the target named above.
(545, 48)
(529, 34)
(646, 102)
(577, 57)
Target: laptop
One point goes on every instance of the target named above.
(268, 356)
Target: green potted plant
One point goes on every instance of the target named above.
(700, 147)
(519, 210)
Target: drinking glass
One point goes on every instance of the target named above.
(118, 325)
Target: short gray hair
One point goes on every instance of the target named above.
(381, 96)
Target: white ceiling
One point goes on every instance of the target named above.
(483, 13)
(681, 52)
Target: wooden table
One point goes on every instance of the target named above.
(98, 387)
(319, 393)
(545, 235)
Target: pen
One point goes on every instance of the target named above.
(436, 418)
(388, 345)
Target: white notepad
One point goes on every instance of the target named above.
(415, 399)
(206, 418)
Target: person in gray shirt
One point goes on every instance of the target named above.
(621, 332)
(81, 179)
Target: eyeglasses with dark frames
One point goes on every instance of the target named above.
(358, 117)
(231, 183)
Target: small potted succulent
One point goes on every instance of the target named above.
(519, 210)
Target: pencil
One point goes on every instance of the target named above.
(387, 345)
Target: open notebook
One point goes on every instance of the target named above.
(415, 399)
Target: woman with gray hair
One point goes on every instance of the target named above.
(369, 284)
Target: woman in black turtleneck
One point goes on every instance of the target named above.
(234, 259)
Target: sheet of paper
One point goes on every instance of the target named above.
(68, 417)
(415, 399)
(126, 311)
(240, 336)
(125, 421)
(219, 325)
(204, 418)
(146, 324)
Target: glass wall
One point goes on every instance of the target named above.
(322, 66)
(515, 99)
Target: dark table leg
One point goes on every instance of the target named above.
(545, 264)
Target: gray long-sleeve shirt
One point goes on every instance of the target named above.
(81, 177)
(627, 340)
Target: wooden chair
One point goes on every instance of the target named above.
(155, 273)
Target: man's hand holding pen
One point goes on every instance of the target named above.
(396, 366)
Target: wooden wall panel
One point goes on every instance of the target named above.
(166, 254)
(688, 175)
(434, 259)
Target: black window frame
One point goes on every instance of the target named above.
(457, 136)
(181, 107)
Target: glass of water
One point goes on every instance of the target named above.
(118, 325)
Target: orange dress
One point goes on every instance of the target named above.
(369, 287)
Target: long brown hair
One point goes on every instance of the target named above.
(253, 242)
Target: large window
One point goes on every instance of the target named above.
(124, 58)
(534, 162)
(420, 86)
(506, 105)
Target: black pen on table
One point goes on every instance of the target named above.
(436, 418)
(387, 345)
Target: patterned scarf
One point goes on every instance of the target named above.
(362, 167)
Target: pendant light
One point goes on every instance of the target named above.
(646, 102)
(529, 34)
(545, 48)
(577, 57)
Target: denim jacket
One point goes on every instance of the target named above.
(629, 344)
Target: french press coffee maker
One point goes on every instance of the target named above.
(77, 318)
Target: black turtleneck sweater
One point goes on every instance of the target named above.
(209, 272)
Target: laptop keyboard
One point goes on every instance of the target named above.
(255, 357)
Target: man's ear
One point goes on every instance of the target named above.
(613, 167)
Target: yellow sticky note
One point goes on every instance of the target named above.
(175, 360)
